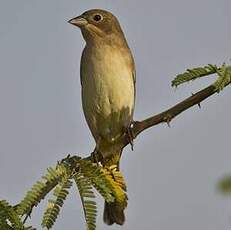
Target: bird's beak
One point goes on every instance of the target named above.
(79, 21)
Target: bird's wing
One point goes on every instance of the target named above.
(134, 76)
(82, 66)
(132, 64)
(81, 73)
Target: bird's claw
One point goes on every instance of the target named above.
(130, 135)
(94, 157)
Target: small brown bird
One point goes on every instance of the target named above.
(108, 89)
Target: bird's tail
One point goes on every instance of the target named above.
(114, 211)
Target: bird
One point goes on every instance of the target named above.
(107, 74)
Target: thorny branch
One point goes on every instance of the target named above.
(169, 114)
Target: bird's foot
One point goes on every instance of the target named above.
(130, 135)
(94, 157)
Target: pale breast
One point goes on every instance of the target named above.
(107, 91)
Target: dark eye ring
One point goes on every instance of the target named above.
(98, 17)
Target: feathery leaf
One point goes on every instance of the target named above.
(100, 182)
(41, 189)
(225, 185)
(116, 182)
(9, 219)
(192, 74)
(87, 196)
(224, 77)
(54, 205)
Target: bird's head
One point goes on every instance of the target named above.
(98, 24)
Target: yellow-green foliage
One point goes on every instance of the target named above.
(116, 183)
(54, 205)
(107, 181)
(41, 189)
(98, 179)
(9, 219)
(87, 198)
(223, 75)
(192, 74)
(225, 185)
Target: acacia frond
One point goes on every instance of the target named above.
(9, 219)
(192, 74)
(4, 225)
(108, 181)
(87, 196)
(95, 174)
(115, 181)
(225, 185)
(224, 77)
(41, 189)
(54, 205)
(223, 74)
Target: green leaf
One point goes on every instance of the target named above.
(192, 74)
(98, 179)
(41, 189)
(223, 74)
(87, 195)
(54, 205)
(225, 185)
(224, 77)
(9, 218)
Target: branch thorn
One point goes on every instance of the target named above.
(168, 119)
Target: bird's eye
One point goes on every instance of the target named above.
(97, 17)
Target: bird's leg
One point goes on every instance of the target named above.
(94, 157)
(130, 135)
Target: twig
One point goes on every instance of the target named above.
(169, 114)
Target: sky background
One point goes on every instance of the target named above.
(172, 172)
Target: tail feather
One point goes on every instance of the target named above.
(113, 213)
